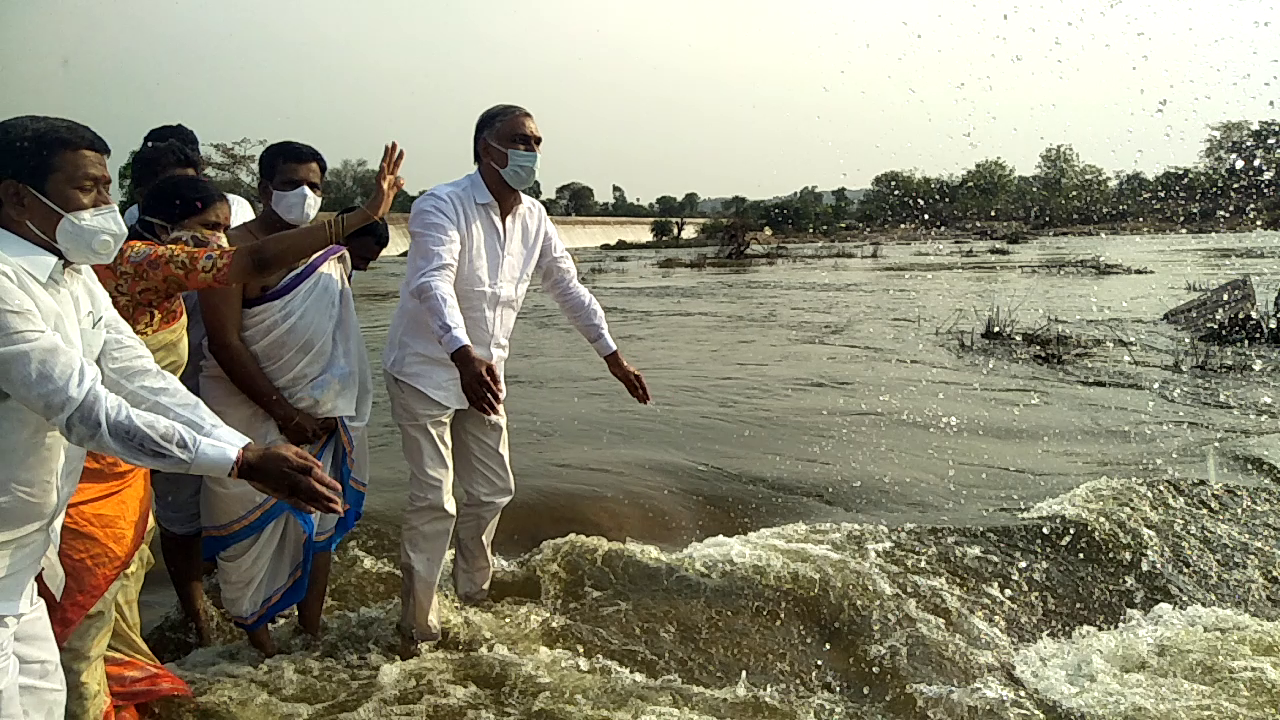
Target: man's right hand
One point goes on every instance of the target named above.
(388, 183)
(480, 381)
(292, 475)
(305, 429)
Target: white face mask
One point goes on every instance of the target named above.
(521, 171)
(296, 207)
(87, 237)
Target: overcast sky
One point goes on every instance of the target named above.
(721, 97)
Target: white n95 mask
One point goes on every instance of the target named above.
(87, 237)
(296, 207)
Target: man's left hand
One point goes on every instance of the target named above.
(629, 377)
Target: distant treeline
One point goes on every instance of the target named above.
(1234, 185)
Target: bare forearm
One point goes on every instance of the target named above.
(283, 250)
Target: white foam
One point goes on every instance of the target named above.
(1192, 664)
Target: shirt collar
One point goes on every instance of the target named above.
(482, 194)
(37, 261)
(480, 190)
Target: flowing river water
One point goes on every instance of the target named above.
(835, 510)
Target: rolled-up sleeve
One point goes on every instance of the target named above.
(57, 383)
(434, 245)
(560, 281)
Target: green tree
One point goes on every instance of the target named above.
(577, 199)
(535, 190)
(620, 203)
(666, 206)
(347, 184)
(403, 201)
(233, 167)
(1133, 196)
(553, 206)
(735, 206)
(1243, 158)
(662, 229)
(1071, 192)
(622, 207)
(895, 198)
(838, 212)
(689, 205)
(124, 180)
(985, 191)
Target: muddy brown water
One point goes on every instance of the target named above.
(910, 529)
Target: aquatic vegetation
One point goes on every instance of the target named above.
(999, 333)
(1086, 266)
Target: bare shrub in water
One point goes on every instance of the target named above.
(1086, 266)
(999, 334)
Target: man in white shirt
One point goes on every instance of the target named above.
(157, 159)
(475, 244)
(73, 376)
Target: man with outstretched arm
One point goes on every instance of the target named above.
(475, 244)
(74, 377)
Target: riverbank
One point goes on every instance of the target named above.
(1004, 232)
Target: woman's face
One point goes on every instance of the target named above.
(215, 219)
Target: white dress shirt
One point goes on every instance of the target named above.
(74, 376)
(467, 275)
(241, 211)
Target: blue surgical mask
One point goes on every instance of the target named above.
(521, 171)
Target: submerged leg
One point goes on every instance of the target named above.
(483, 458)
(312, 605)
(261, 640)
(425, 427)
(177, 508)
(182, 558)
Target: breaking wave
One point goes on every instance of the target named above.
(1137, 598)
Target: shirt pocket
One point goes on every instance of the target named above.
(91, 341)
(479, 306)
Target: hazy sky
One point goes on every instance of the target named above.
(753, 97)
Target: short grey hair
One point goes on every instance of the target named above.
(492, 119)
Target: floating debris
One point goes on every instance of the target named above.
(1226, 314)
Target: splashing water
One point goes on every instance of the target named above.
(820, 621)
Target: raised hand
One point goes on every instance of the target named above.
(292, 475)
(388, 181)
(630, 378)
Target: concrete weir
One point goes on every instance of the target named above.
(576, 232)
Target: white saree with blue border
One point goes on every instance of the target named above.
(306, 338)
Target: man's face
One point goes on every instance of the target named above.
(518, 133)
(364, 252)
(79, 181)
(291, 177)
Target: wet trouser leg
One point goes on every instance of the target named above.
(443, 446)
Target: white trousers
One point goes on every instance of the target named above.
(32, 686)
(449, 451)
